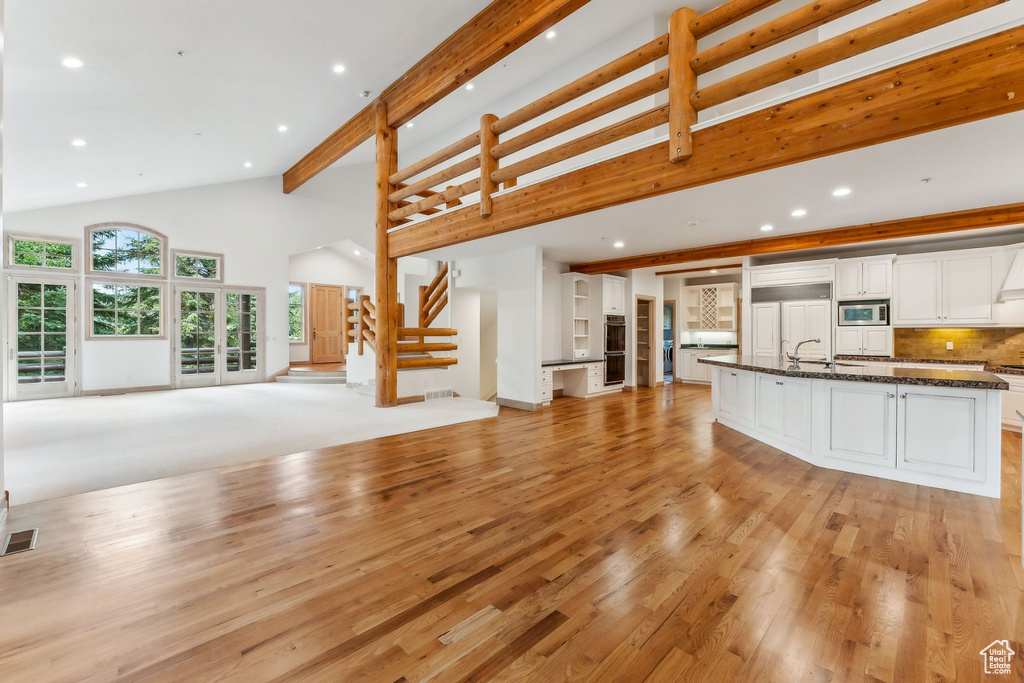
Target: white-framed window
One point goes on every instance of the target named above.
(197, 265)
(297, 313)
(125, 249)
(37, 252)
(124, 309)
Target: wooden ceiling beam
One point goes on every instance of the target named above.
(497, 31)
(935, 224)
(965, 83)
(703, 269)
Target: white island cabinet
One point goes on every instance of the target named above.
(924, 426)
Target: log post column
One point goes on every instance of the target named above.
(682, 84)
(488, 164)
(386, 281)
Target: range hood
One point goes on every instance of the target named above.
(1013, 288)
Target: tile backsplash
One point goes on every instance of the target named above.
(999, 346)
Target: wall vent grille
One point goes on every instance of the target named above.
(19, 542)
(438, 393)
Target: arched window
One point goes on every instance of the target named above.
(127, 249)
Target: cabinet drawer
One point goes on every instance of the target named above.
(595, 370)
(545, 375)
(595, 384)
(545, 392)
(580, 353)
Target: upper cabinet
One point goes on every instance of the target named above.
(575, 316)
(864, 279)
(953, 288)
(613, 299)
(710, 307)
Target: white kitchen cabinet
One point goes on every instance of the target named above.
(861, 422)
(765, 329)
(941, 432)
(692, 371)
(864, 341)
(955, 288)
(736, 395)
(968, 292)
(783, 409)
(807, 320)
(1013, 400)
(613, 295)
(576, 336)
(864, 279)
(710, 307)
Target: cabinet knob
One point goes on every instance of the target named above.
(733, 374)
(892, 395)
(781, 383)
(903, 395)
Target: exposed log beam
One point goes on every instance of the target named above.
(497, 31)
(965, 83)
(935, 224)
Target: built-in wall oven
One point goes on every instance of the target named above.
(614, 349)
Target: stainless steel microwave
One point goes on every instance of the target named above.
(864, 313)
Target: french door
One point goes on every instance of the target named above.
(42, 333)
(217, 333)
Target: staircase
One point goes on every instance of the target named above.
(310, 376)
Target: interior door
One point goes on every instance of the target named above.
(42, 337)
(327, 312)
(198, 358)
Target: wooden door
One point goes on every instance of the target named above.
(327, 311)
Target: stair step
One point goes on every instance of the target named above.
(316, 373)
(310, 378)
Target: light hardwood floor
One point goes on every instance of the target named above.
(622, 538)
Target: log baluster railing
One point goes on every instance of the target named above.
(433, 297)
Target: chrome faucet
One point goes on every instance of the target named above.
(795, 356)
(700, 343)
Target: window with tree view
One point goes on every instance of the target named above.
(242, 334)
(195, 266)
(296, 321)
(42, 332)
(125, 310)
(126, 250)
(42, 254)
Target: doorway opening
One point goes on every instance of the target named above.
(669, 331)
(645, 342)
(217, 330)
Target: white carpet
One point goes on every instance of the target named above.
(72, 445)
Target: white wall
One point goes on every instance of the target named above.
(551, 316)
(252, 223)
(326, 267)
(488, 343)
(465, 375)
(516, 276)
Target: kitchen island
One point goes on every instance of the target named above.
(925, 426)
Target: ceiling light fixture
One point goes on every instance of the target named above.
(72, 62)
(78, 143)
(409, 125)
(693, 224)
(82, 185)
(282, 128)
(247, 164)
(714, 272)
(356, 252)
(339, 68)
(619, 245)
(470, 86)
(841, 192)
(550, 35)
(767, 228)
(798, 213)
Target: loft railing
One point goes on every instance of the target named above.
(433, 297)
(420, 188)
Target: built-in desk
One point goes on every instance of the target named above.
(579, 378)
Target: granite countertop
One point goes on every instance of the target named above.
(989, 367)
(1003, 370)
(709, 346)
(570, 361)
(961, 379)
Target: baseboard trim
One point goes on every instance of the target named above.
(659, 384)
(629, 388)
(558, 393)
(406, 400)
(518, 405)
(5, 505)
(128, 390)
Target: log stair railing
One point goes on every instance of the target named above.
(413, 348)
(436, 183)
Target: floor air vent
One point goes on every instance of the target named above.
(19, 542)
(437, 393)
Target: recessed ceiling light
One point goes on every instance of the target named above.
(550, 35)
(841, 192)
(78, 143)
(767, 228)
(409, 125)
(339, 68)
(356, 252)
(714, 272)
(693, 224)
(798, 213)
(247, 164)
(470, 86)
(282, 128)
(82, 185)
(72, 62)
(319, 248)
(619, 245)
